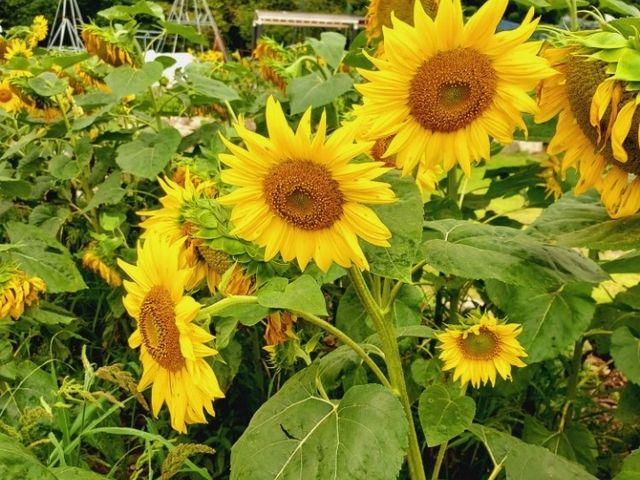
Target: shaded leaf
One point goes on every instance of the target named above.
(302, 295)
(625, 350)
(150, 153)
(479, 251)
(551, 321)
(444, 413)
(404, 220)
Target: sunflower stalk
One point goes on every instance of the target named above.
(347, 340)
(385, 331)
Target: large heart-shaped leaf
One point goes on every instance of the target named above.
(150, 153)
(444, 413)
(299, 434)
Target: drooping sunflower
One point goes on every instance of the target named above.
(17, 47)
(443, 87)
(10, 102)
(172, 346)
(479, 352)
(174, 220)
(300, 195)
(279, 329)
(97, 263)
(110, 48)
(598, 126)
(379, 14)
(17, 291)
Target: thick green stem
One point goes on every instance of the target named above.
(225, 303)
(387, 336)
(572, 384)
(439, 459)
(573, 14)
(452, 185)
(218, 307)
(347, 340)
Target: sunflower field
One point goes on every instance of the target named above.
(409, 255)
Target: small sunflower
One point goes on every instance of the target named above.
(477, 353)
(443, 87)
(269, 53)
(598, 127)
(172, 347)
(300, 195)
(17, 291)
(17, 47)
(10, 102)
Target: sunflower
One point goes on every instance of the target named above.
(477, 352)
(94, 262)
(597, 127)
(269, 53)
(379, 14)
(443, 87)
(17, 47)
(17, 291)
(300, 195)
(10, 102)
(100, 42)
(279, 329)
(174, 220)
(39, 30)
(172, 347)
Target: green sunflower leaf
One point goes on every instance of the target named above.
(301, 295)
(523, 461)
(551, 321)
(630, 467)
(301, 434)
(480, 251)
(444, 413)
(404, 219)
(150, 153)
(625, 350)
(17, 462)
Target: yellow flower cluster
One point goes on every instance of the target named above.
(598, 126)
(19, 291)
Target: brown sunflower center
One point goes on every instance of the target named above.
(304, 194)
(217, 260)
(583, 78)
(481, 346)
(451, 89)
(5, 95)
(160, 334)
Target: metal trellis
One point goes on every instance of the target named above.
(64, 31)
(197, 14)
